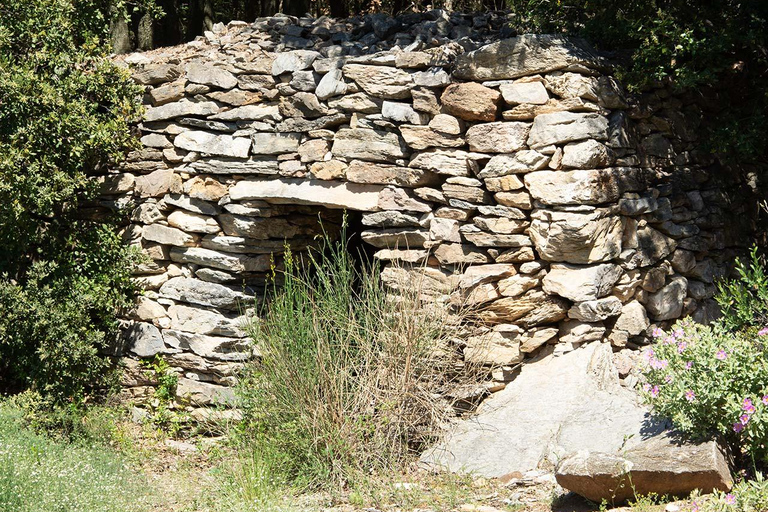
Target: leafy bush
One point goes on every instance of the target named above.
(746, 496)
(710, 381)
(63, 116)
(744, 300)
(346, 376)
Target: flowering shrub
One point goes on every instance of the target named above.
(710, 381)
(746, 496)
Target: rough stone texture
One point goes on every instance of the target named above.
(458, 150)
(661, 465)
(525, 55)
(586, 409)
(471, 101)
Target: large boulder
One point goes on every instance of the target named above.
(557, 405)
(524, 55)
(660, 464)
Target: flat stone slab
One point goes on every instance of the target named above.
(557, 405)
(312, 192)
(661, 465)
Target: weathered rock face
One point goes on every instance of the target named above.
(515, 171)
(557, 405)
(661, 465)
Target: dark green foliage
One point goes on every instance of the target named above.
(744, 300)
(695, 44)
(64, 113)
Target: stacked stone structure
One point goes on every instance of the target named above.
(510, 174)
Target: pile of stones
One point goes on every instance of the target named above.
(511, 175)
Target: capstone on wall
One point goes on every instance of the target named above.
(511, 174)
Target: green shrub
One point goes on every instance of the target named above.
(746, 496)
(346, 378)
(744, 300)
(710, 381)
(64, 274)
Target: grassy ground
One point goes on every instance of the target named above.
(138, 469)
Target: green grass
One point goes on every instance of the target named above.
(39, 474)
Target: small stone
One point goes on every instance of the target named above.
(275, 143)
(167, 236)
(581, 284)
(330, 170)
(595, 310)
(525, 92)
(208, 74)
(561, 127)
(471, 101)
(331, 84)
(633, 319)
(204, 142)
(401, 113)
(588, 154)
(447, 124)
(296, 60)
(500, 137)
(157, 184)
(193, 223)
(366, 144)
(380, 81)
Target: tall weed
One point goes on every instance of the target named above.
(347, 375)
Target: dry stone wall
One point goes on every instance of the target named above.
(510, 174)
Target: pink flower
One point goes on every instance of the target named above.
(738, 427)
(694, 507)
(721, 355)
(765, 400)
(679, 333)
(763, 331)
(747, 406)
(649, 354)
(730, 499)
(744, 419)
(688, 365)
(669, 340)
(659, 364)
(690, 395)
(655, 391)
(681, 347)
(667, 379)
(658, 333)
(646, 387)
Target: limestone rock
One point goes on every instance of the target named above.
(527, 54)
(659, 465)
(493, 348)
(144, 339)
(205, 321)
(119, 183)
(478, 274)
(581, 283)
(157, 183)
(332, 84)
(275, 143)
(204, 142)
(521, 162)
(562, 127)
(208, 74)
(167, 236)
(395, 238)
(181, 108)
(588, 154)
(556, 405)
(534, 308)
(250, 113)
(453, 162)
(324, 193)
(471, 101)
(402, 113)
(209, 347)
(423, 137)
(366, 144)
(650, 247)
(454, 254)
(525, 92)
(447, 124)
(582, 186)
(633, 319)
(220, 260)
(193, 223)
(157, 74)
(204, 393)
(576, 237)
(667, 303)
(381, 81)
(595, 310)
(499, 137)
(296, 60)
(194, 291)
